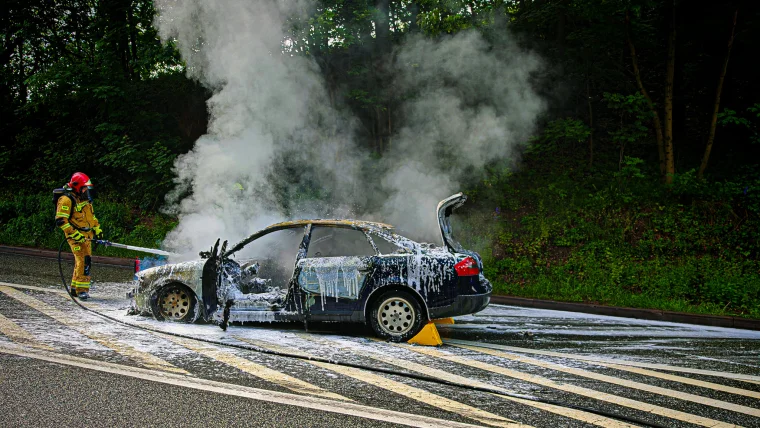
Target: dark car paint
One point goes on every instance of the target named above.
(440, 291)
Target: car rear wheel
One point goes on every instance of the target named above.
(175, 302)
(397, 316)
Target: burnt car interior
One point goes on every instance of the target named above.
(268, 261)
(337, 257)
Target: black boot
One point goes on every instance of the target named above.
(73, 292)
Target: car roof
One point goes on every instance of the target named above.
(361, 224)
(371, 226)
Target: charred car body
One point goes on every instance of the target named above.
(323, 270)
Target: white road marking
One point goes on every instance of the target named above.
(727, 375)
(17, 333)
(441, 374)
(684, 380)
(257, 370)
(144, 358)
(403, 389)
(618, 381)
(321, 404)
(32, 287)
(586, 392)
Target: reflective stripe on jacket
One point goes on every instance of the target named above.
(80, 215)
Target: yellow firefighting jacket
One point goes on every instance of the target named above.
(76, 216)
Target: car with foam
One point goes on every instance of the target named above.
(322, 270)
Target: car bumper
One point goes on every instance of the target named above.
(464, 304)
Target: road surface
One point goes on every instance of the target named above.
(63, 366)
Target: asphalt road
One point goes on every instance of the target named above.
(61, 365)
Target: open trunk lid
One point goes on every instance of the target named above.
(445, 208)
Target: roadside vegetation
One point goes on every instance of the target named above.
(641, 186)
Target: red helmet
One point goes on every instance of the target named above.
(79, 180)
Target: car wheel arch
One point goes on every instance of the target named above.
(376, 293)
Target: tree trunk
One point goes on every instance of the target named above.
(590, 124)
(132, 35)
(390, 128)
(716, 105)
(650, 103)
(561, 24)
(669, 80)
(23, 93)
(382, 26)
(415, 10)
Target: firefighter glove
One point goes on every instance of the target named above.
(77, 236)
(98, 232)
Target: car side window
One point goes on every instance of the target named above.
(338, 242)
(385, 246)
(275, 253)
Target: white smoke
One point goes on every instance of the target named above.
(472, 104)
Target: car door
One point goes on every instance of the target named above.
(335, 270)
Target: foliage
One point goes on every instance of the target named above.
(29, 222)
(89, 86)
(629, 242)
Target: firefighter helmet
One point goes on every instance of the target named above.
(80, 180)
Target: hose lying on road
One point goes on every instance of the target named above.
(415, 376)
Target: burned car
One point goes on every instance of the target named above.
(322, 270)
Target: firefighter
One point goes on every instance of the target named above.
(75, 216)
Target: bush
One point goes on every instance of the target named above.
(621, 239)
(28, 221)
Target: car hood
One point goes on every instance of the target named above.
(189, 270)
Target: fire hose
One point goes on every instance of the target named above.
(415, 376)
(132, 247)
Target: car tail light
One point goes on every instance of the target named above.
(467, 267)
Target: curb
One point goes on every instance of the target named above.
(647, 314)
(51, 254)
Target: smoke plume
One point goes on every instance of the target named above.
(270, 115)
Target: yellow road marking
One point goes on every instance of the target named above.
(685, 380)
(403, 389)
(586, 392)
(617, 381)
(255, 369)
(18, 334)
(32, 287)
(233, 390)
(244, 364)
(144, 358)
(727, 375)
(441, 374)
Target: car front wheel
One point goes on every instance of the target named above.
(396, 316)
(174, 302)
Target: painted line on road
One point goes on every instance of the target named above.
(451, 377)
(632, 369)
(59, 290)
(727, 375)
(579, 390)
(257, 370)
(144, 358)
(284, 398)
(32, 287)
(618, 381)
(684, 380)
(405, 390)
(17, 333)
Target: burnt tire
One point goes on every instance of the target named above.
(174, 302)
(396, 316)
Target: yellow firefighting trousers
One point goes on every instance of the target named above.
(80, 281)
